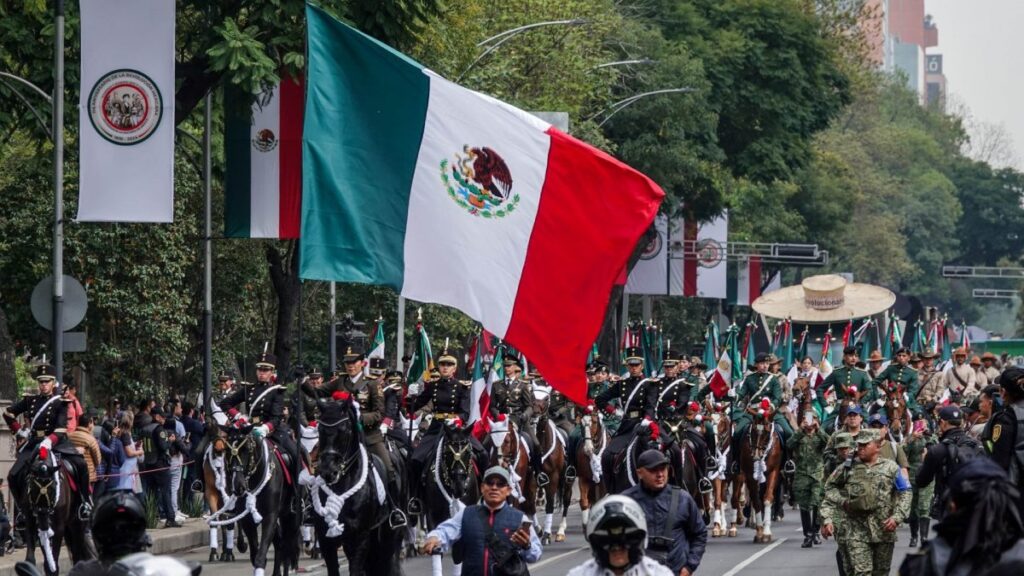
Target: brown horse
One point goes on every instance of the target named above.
(588, 462)
(760, 458)
(721, 475)
(552, 451)
(896, 408)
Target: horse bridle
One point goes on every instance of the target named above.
(514, 433)
(459, 459)
(346, 461)
(233, 453)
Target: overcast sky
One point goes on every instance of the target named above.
(980, 41)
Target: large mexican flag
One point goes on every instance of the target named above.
(452, 197)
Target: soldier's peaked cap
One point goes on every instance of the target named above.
(633, 355)
(266, 359)
(378, 364)
(352, 354)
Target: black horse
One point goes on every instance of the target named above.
(256, 472)
(455, 481)
(48, 507)
(348, 508)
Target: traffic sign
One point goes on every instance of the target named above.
(75, 303)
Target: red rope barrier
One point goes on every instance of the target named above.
(141, 472)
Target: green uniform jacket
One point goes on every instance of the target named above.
(757, 386)
(879, 483)
(904, 375)
(845, 376)
(809, 453)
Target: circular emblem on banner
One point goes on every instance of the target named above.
(265, 140)
(479, 181)
(653, 248)
(710, 253)
(125, 107)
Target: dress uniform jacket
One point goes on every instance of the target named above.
(637, 398)
(904, 375)
(842, 378)
(370, 396)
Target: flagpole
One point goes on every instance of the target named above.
(332, 331)
(400, 347)
(207, 256)
(58, 194)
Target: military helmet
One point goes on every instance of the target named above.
(46, 372)
(266, 360)
(377, 367)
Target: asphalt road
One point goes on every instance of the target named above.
(724, 556)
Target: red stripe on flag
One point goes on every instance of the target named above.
(572, 261)
(292, 100)
(690, 229)
(754, 278)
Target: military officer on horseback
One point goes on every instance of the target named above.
(513, 397)
(310, 409)
(755, 387)
(450, 400)
(899, 373)
(47, 412)
(264, 402)
(848, 382)
(639, 399)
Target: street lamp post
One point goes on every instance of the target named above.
(627, 102)
(58, 196)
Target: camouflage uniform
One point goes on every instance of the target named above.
(869, 496)
(921, 503)
(809, 453)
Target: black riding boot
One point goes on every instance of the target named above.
(84, 492)
(926, 524)
(807, 523)
(415, 506)
(537, 464)
(914, 522)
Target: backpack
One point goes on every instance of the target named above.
(959, 452)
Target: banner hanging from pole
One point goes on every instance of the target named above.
(126, 120)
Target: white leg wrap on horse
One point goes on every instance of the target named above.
(257, 572)
(547, 522)
(435, 565)
(733, 515)
(307, 533)
(767, 521)
(457, 569)
(586, 515)
(562, 526)
(214, 537)
(229, 539)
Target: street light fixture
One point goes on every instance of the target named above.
(625, 63)
(505, 36)
(627, 102)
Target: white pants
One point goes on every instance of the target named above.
(175, 480)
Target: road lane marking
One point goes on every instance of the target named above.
(534, 567)
(751, 560)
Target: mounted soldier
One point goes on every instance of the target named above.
(264, 402)
(47, 413)
(761, 385)
(932, 381)
(513, 397)
(450, 401)
(848, 382)
(899, 373)
(639, 399)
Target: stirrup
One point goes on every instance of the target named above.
(197, 486)
(85, 512)
(415, 506)
(711, 463)
(570, 474)
(397, 519)
(704, 485)
(542, 479)
(789, 468)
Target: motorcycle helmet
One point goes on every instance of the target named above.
(617, 521)
(119, 525)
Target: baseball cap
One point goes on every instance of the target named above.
(499, 471)
(652, 459)
(854, 410)
(950, 414)
(878, 418)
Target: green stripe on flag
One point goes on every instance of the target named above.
(238, 157)
(365, 109)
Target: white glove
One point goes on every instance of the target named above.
(645, 423)
(731, 393)
(880, 402)
(23, 433)
(383, 429)
(814, 395)
(46, 443)
(414, 389)
(260, 431)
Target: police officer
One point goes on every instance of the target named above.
(264, 403)
(677, 535)
(47, 413)
(954, 446)
(900, 373)
(639, 398)
(1004, 434)
(617, 531)
(756, 387)
(875, 497)
(846, 381)
(158, 441)
(450, 399)
(808, 448)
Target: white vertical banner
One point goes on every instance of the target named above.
(656, 273)
(710, 259)
(126, 111)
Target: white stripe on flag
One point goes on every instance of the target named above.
(712, 281)
(451, 256)
(126, 111)
(265, 170)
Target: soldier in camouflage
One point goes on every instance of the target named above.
(843, 449)
(875, 497)
(920, 505)
(808, 449)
